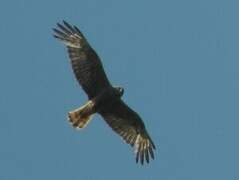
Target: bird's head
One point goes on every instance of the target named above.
(120, 91)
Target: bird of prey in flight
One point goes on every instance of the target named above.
(104, 98)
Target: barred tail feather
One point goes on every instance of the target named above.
(78, 121)
(81, 117)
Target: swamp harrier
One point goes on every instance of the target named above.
(103, 97)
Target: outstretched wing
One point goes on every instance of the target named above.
(130, 127)
(86, 64)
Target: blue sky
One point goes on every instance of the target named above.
(178, 63)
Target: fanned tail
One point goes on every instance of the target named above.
(81, 117)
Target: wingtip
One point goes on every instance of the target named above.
(154, 147)
(137, 157)
(58, 25)
(147, 156)
(144, 151)
(55, 36)
(55, 30)
(64, 21)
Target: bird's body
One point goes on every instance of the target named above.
(107, 98)
(98, 104)
(104, 99)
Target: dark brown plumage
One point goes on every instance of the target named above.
(103, 97)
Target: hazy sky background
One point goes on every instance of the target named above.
(177, 60)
